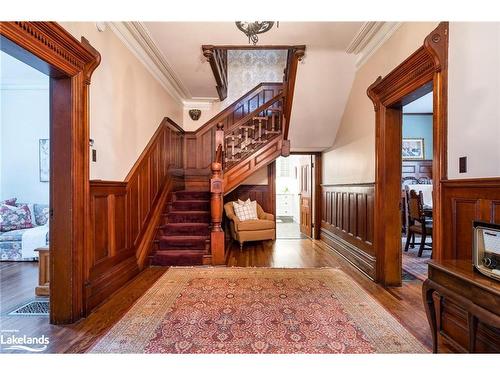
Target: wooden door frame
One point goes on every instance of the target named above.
(429, 64)
(69, 63)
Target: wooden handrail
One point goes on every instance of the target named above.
(231, 108)
(256, 111)
(294, 56)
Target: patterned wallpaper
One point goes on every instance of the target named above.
(247, 68)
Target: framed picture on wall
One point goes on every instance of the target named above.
(43, 149)
(413, 149)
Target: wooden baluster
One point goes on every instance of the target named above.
(216, 204)
(259, 134)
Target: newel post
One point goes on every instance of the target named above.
(216, 203)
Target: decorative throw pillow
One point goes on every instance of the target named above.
(13, 218)
(9, 202)
(244, 202)
(246, 211)
(41, 213)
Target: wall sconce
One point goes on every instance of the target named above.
(194, 114)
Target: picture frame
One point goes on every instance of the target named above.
(44, 159)
(413, 149)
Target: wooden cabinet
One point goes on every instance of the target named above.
(463, 307)
(285, 204)
(43, 272)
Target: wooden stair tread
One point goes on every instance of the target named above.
(184, 212)
(182, 238)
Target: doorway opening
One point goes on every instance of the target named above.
(417, 183)
(422, 72)
(295, 192)
(69, 64)
(24, 188)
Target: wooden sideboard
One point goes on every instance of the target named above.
(463, 307)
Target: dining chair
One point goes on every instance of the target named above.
(418, 222)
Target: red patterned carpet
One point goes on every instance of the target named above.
(257, 310)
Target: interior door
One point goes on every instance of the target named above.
(305, 204)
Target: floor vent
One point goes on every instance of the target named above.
(37, 307)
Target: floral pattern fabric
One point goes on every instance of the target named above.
(12, 218)
(11, 245)
(9, 202)
(41, 213)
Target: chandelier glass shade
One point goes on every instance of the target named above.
(251, 29)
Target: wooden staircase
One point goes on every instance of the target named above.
(246, 136)
(183, 236)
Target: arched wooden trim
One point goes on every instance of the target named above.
(426, 67)
(49, 48)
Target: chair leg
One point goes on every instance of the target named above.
(422, 244)
(408, 240)
(412, 245)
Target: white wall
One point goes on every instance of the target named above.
(24, 119)
(474, 99)
(127, 103)
(351, 159)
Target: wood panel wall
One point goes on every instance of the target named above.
(123, 214)
(417, 169)
(347, 223)
(463, 202)
(263, 194)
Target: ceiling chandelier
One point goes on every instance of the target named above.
(251, 29)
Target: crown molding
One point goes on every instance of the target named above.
(363, 36)
(197, 104)
(138, 40)
(370, 37)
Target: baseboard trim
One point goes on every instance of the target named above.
(366, 263)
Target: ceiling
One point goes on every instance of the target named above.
(185, 57)
(334, 50)
(421, 105)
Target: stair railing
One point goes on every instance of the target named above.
(217, 203)
(253, 131)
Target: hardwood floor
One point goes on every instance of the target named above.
(74, 338)
(405, 303)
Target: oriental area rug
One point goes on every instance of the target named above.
(257, 310)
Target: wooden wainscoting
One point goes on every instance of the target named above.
(463, 202)
(263, 194)
(347, 223)
(124, 215)
(417, 169)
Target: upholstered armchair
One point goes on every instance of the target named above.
(264, 228)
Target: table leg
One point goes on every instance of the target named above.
(430, 309)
